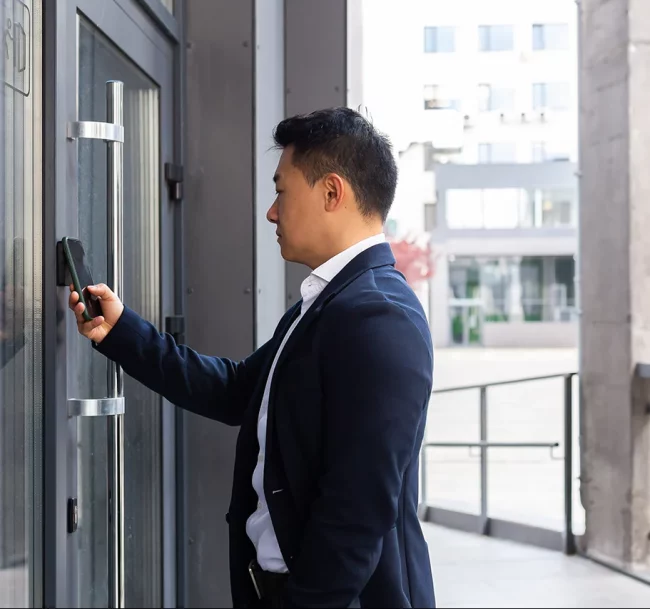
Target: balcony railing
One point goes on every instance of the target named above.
(482, 522)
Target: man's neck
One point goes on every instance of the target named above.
(345, 244)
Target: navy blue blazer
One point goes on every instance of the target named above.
(347, 412)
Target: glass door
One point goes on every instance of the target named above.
(21, 338)
(104, 560)
(119, 135)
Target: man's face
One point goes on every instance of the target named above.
(297, 213)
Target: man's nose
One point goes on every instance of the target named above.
(272, 214)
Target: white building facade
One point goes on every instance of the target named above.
(480, 100)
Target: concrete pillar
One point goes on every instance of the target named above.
(615, 278)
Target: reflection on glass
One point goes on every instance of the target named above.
(98, 63)
(169, 5)
(20, 306)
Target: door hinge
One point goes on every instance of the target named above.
(174, 178)
(175, 325)
(73, 514)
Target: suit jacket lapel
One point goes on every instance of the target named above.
(376, 256)
(373, 257)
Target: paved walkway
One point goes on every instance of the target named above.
(474, 571)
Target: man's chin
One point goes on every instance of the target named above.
(288, 255)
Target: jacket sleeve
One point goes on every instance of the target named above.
(214, 387)
(377, 376)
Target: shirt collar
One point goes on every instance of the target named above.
(321, 276)
(330, 269)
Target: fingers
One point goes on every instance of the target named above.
(102, 291)
(86, 327)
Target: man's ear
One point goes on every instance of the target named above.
(334, 188)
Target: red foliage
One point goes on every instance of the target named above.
(414, 261)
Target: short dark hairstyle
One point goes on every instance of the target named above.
(342, 141)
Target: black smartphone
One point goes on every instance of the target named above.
(81, 278)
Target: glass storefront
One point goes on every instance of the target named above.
(526, 288)
(21, 377)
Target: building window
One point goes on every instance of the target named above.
(496, 99)
(437, 97)
(550, 36)
(539, 152)
(496, 37)
(555, 208)
(510, 208)
(439, 39)
(551, 96)
(497, 152)
(529, 288)
(490, 208)
(542, 152)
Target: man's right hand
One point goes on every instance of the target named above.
(112, 307)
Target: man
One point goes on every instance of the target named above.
(332, 409)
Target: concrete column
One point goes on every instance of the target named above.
(615, 278)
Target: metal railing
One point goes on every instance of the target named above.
(483, 523)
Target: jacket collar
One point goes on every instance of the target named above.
(372, 258)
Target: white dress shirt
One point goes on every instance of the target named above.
(259, 526)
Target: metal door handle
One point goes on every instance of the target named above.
(93, 130)
(104, 407)
(111, 132)
(115, 204)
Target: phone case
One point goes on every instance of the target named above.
(75, 278)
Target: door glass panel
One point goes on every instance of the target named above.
(20, 305)
(99, 62)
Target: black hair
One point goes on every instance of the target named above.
(342, 141)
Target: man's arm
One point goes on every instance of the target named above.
(214, 387)
(377, 377)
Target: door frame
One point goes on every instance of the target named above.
(152, 39)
